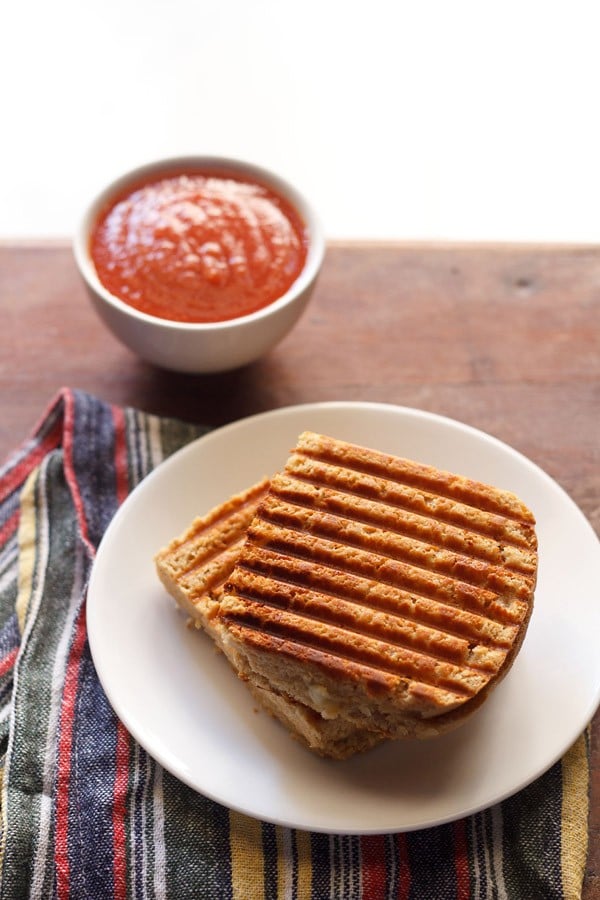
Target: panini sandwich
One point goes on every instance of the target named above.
(378, 592)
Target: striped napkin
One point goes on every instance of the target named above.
(87, 813)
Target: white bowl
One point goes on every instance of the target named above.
(200, 347)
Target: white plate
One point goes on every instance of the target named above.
(178, 697)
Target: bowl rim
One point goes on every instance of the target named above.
(312, 265)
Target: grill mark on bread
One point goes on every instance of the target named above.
(358, 561)
(200, 560)
(204, 552)
(376, 680)
(370, 622)
(416, 475)
(378, 596)
(259, 623)
(206, 541)
(358, 533)
(322, 474)
(209, 576)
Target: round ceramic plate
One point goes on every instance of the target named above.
(182, 702)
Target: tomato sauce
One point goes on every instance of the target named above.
(198, 246)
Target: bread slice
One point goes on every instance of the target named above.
(378, 591)
(193, 568)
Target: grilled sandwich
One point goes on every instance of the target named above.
(379, 592)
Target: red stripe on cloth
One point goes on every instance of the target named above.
(403, 868)
(461, 856)
(15, 478)
(372, 850)
(119, 813)
(65, 744)
(121, 468)
(9, 527)
(69, 401)
(7, 663)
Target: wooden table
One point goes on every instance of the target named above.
(505, 338)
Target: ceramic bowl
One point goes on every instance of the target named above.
(215, 346)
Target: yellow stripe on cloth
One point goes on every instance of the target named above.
(304, 852)
(247, 858)
(574, 825)
(27, 540)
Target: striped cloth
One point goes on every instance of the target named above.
(87, 813)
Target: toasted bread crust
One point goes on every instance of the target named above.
(413, 474)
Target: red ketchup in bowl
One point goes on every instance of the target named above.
(198, 246)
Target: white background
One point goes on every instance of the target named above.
(429, 119)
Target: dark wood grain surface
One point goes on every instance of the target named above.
(505, 338)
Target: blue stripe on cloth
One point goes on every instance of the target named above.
(321, 865)
(10, 637)
(269, 847)
(432, 864)
(90, 836)
(94, 462)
